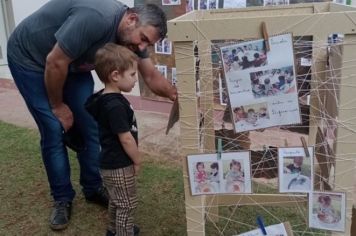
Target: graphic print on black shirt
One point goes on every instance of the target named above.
(114, 115)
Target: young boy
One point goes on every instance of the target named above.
(120, 161)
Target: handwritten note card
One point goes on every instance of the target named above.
(273, 230)
(261, 85)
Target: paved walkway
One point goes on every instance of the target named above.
(151, 125)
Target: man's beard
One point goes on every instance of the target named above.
(123, 38)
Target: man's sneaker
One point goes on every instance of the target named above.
(60, 215)
(136, 231)
(100, 197)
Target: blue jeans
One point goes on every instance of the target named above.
(77, 88)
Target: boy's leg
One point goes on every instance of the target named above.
(77, 89)
(127, 201)
(121, 186)
(110, 186)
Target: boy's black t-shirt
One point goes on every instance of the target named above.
(114, 115)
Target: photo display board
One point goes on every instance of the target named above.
(261, 85)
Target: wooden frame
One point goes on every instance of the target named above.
(318, 20)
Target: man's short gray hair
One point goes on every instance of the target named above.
(151, 14)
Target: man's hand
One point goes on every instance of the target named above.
(137, 168)
(64, 115)
(173, 94)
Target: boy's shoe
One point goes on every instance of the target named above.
(100, 197)
(109, 233)
(60, 215)
(136, 231)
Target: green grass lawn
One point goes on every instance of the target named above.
(25, 203)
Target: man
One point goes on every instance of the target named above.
(50, 55)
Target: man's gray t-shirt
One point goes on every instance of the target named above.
(80, 27)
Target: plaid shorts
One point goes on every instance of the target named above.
(121, 186)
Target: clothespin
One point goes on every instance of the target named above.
(304, 143)
(261, 225)
(265, 36)
(219, 151)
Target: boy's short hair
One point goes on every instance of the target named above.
(113, 57)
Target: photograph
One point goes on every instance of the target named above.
(204, 174)
(327, 210)
(234, 4)
(343, 2)
(170, 2)
(268, 83)
(207, 4)
(249, 116)
(174, 76)
(244, 56)
(275, 2)
(271, 230)
(236, 172)
(162, 69)
(273, 82)
(163, 47)
(295, 170)
(202, 4)
(213, 4)
(189, 6)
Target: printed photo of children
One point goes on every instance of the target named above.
(207, 4)
(327, 211)
(295, 170)
(206, 177)
(204, 174)
(236, 173)
(273, 82)
(244, 56)
(250, 116)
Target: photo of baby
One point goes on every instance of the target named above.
(204, 174)
(206, 177)
(250, 116)
(163, 47)
(295, 170)
(236, 173)
(244, 56)
(162, 69)
(273, 82)
(327, 210)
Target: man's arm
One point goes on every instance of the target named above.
(56, 70)
(155, 80)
